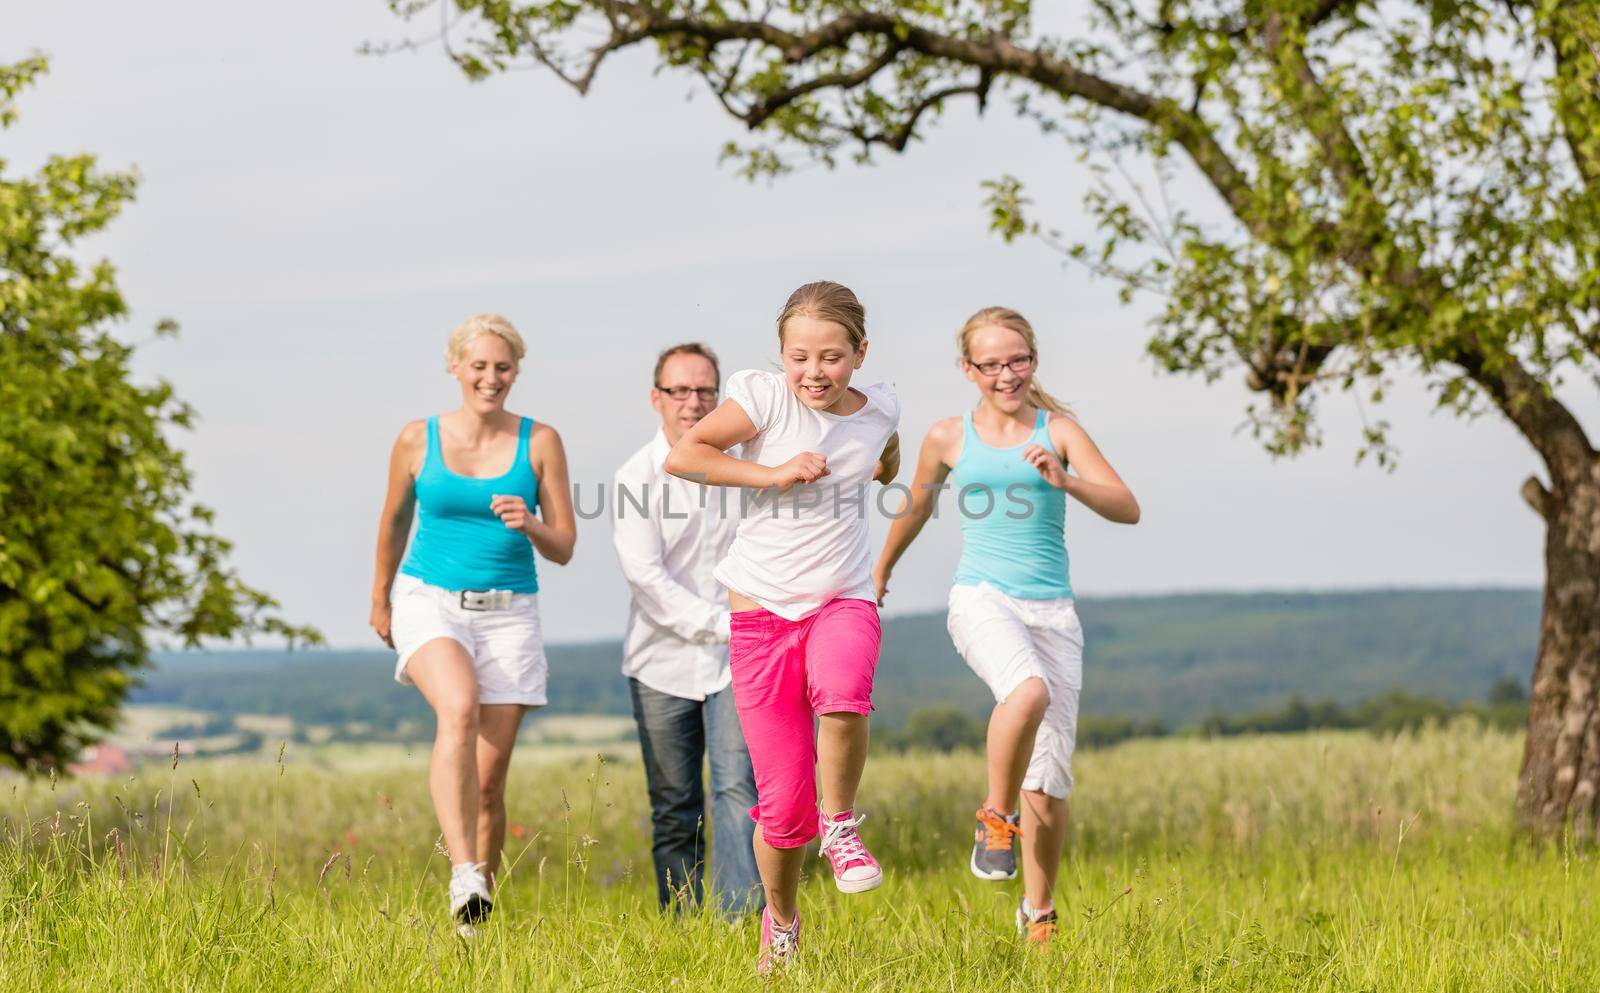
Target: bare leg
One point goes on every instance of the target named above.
(780, 877)
(497, 735)
(443, 672)
(1044, 837)
(1012, 728)
(841, 757)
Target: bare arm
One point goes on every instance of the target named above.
(554, 536)
(394, 523)
(555, 533)
(702, 455)
(933, 467)
(1096, 485)
(889, 461)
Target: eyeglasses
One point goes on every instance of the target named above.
(1017, 365)
(706, 393)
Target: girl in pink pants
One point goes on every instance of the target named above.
(805, 628)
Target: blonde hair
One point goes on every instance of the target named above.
(827, 301)
(1005, 317)
(481, 324)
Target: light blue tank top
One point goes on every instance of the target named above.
(460, 544)
(1012, 521)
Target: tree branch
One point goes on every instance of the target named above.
(898, 137)
(1548, 425)
(1536, 495)
(1529, 404)
(1316, 109)
(994, 54)
(1326, 9)
(758, 113)
(1574, 35)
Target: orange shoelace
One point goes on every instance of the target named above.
(1040, 929)
(998, 831)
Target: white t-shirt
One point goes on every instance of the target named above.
(796, 551)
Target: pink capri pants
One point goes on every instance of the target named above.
(784, 673)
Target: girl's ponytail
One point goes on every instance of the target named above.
(1039, 398)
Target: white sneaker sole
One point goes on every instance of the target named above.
(993, 877)
(858, 885)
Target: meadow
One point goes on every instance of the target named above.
(1316, 862)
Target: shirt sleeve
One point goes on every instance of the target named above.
(752, 389)
(666, 602)
(890, 401)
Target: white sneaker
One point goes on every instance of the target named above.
(469, 896)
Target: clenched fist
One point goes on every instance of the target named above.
(513, 512)
(1048, 464)
(381, 620)
(807, 467)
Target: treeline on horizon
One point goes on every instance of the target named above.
(945, 728)
(1185, 663)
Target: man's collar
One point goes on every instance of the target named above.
(660, 448)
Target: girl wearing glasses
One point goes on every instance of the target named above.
(1011, 608)
(463, 613)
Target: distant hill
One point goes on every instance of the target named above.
(1174, 658)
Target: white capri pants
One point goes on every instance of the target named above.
(506, 646)
(1006, 640)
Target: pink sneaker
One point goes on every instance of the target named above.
(778, 948)
(854, 868)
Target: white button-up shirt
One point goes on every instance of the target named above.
(670, 533)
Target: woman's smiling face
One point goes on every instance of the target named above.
(818, 361)
(486, 369)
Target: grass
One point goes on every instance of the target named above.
(1324, 862)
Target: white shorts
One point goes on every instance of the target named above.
(1006, 640)
(506, 646)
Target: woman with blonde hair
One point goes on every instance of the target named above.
(463, 613)
(1011, 608)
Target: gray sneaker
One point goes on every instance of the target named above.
(994, 854)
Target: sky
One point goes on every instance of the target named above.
(317, 221)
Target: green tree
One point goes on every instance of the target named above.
(100, 544)
(1406, 185)
(942, 727)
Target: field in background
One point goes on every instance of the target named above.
(1319, 862)
(1178, 660)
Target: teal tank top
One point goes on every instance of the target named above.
(1012, 521)
(460, 544)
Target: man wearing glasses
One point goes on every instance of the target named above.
(670, 533)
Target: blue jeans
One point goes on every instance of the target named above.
(675, 735)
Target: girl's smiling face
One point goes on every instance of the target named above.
(1011, 363)
(486, 369)
(818, 361)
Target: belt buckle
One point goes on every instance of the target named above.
(485, 599)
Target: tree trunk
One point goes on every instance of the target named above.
(1560, 780)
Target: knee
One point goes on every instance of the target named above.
(1031, 698)
(458, 718)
